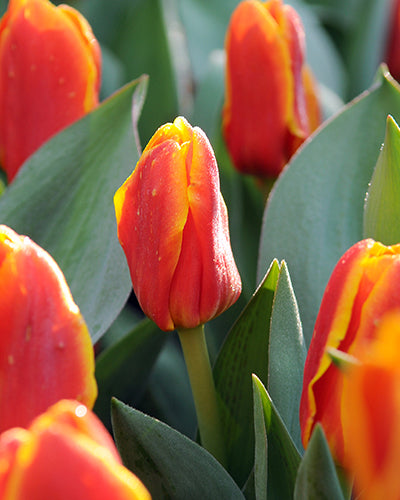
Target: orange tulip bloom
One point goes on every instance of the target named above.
(371, 415)
(270, 102)
(173, 227)
(45, 348)
(66, 453)
(364, 285)
(49, 76)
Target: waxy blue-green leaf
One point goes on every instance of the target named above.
(170, 465)
(63, 199)
(123, 369)
(282, 460)
(266, 340)
(315, 211)
(244, 352)
(287, 354)
(382, 204)
(317, 478)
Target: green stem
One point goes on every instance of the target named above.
(203, 389)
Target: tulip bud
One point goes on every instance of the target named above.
(49, 76)
(173, 227)
(270, 103)
(392, 55)
(45, 348)
(371, 414)
(65, 453)
(364, 285)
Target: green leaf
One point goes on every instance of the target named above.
(169, 464)
(245, 351)
(138, 33)
(283, 458)
(260, 471)
(315, 211)
(317, 478)
(382, 204)
(341, 359)
(63, 199)
(287, 354)
(364, 42)
(123, 369)
(168, 395)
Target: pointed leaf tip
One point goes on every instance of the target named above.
(382, 202)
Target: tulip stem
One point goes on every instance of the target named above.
(198, 365)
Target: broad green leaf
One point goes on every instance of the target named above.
(287, 354)
(382, 204)
(123, 369)
(63, 199)
(283, 458)
(317, 478)
(245, 351)
(315, 211)
(169, 464)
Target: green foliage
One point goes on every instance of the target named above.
(382, 204)
(63, 199)
(315, 212)
(260, 343)
(317, 478)
(124, 368)
(169, 464)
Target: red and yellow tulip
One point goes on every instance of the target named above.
(173, 227)
(364, 285)
(45, 348)
(49, 76)
(65, 453)
(270, 102)
(371, 414)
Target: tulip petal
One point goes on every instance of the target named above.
(49, 76)
(371, 413)
(363, 287)
(45, 348)
(151, 210)
(62, 456)
(255, 42)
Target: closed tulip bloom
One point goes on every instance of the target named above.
(173, 227)
(371, 415)
(66, 453)
(364, 285)
(270, 99)
(45, 347)
(49, 76)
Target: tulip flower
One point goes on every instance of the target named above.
(270, 102)
(371, 414)
(173, 227)
(65, 453)
(364, 285)
(49, 76)
(45, 348)
(392, 50)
